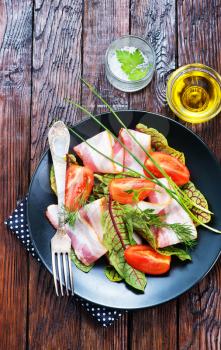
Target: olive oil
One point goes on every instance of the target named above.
(194, 93)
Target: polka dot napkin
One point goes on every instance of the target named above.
(17, 223)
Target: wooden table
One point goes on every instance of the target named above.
(46, 46)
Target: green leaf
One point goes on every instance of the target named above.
(71, 217)
(178, 252)
(159, 142)
(112, 274)
(139, 220)
(130, 229)
(115, 240)
(79, 264)
(130, 62)
(197, 197)
(52, 180)
(71, 159)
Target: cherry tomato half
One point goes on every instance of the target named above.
(79, 183)
(171, 165)
(146, 259)
(130, 190)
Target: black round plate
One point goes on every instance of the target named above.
(94, 286)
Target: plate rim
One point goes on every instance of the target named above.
(50, 270)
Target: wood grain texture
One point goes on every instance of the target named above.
(199, 32)
(53, 323)
(15, 95)
(56, 66)
(154, 328)
(155, 20)
(104, 21)
(92, 336)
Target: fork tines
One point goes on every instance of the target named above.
(61, 263)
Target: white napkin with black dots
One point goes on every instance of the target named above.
(17, 223)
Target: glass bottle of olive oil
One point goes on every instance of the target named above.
(194, 93)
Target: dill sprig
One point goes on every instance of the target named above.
(70, 217)
(184, 233)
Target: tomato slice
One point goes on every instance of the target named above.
(171, 165)
(146, 259)
(79, 183)
(130, 189)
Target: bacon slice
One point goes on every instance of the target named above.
(156, 207)
(92, 213)
(144, 140)
(174, 213)
(105, 143)
(86, 235)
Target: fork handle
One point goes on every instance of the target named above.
(59, 142)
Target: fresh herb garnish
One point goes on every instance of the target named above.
(70, 217)
(131, 64)
(184, 233)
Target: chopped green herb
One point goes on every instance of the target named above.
(131, 64)
(70, 217)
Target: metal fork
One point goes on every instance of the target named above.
(59, 141)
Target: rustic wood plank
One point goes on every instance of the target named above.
(54, 323)
(199, 31)
(15, 95)
(154, 328)
(56, 66)
(104, 21)
(155, 21)
(94, 336)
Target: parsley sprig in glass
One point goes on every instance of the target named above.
(130, 63)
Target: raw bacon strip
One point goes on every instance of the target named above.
(174, 213)
(160, 196)
(84, 238)
(92, 213)
(143, 205)
(105, 143)
(144, 140)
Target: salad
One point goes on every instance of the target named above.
(129, 197)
